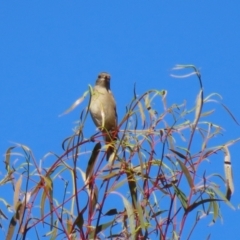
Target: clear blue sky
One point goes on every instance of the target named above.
(51, 50)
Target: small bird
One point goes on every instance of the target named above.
(103, 111)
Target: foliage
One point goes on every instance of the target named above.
(157, 181)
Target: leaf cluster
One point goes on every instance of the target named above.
(156, 181)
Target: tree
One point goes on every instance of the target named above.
(157, 181)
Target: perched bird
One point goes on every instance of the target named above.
(103, 111)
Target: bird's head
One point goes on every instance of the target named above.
(103, 80)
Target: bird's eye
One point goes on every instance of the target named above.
(107, 77)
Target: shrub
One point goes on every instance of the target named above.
(158, 180)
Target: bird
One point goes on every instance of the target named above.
(103, 111)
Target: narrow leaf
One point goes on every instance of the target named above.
(130, 214)
(76, 103)
(11, 228)
(198, 107)
(141, 112)
(132, 185)
(48, 192)
(92, 160)
(140, 214)
(228, 169)
(178, 153)
(235, 120)
(196, 204)
(78, 222)
(93, 198)
(186, 173)
(205, 114)
(17, 191)
(54, 231)
(111, 212)
(215, 211)
(181, 196)
(2, 214)
(7, 160)
(158, 213)
(42, 203)
(100, 228)
(222, 196)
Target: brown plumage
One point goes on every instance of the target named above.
(103, 110)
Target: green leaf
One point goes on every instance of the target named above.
(48, 192)
(140, 215)
(130, 214)
(93, 199)
(11, 228)
(78, 222)
(222, 196)
(141, 112)
(132, 185)
(181, 196)
(76, 103)
(196, 204)
(92, 160)
(54, 231)
(158, 213)
(215, 211)
(2, 214)
(178, 153)
(186, 173)
(205, 114)
(17, 192)
(100, 228)
(199, 105)
(111, 212)
(7, 160)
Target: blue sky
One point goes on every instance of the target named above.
(51, 50)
